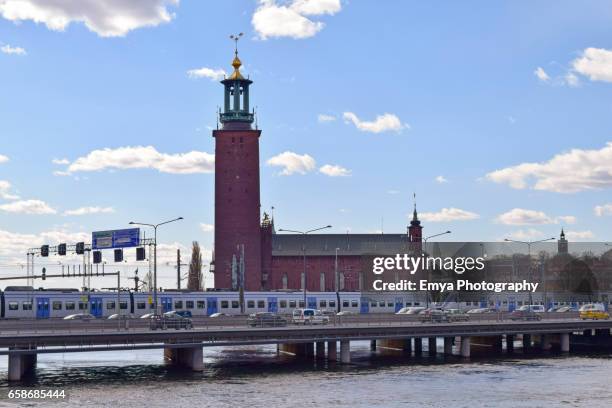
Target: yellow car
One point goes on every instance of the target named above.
(594, 311)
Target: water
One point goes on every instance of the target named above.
(258, 377)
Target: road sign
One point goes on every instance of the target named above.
(123, 238)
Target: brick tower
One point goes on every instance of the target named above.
(237, 206)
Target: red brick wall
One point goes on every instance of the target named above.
(237, 205)
(293, 266)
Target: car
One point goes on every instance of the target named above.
(266, 319)
(457, 315)
(594, 311)
(527, 312)
(116, 316)
(433, 316)
(148, 316)
(309, 316)
(170, 320)
(413, 310)
(482, 310)
(80, 316)
(565, 309)
(183, 313)
(217, 315)
(345, 313)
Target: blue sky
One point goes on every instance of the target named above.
(497, 114)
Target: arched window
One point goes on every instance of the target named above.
(285, 278)
(322, 282)
(341, 281)
(302, 281)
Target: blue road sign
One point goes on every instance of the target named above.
(123, 238)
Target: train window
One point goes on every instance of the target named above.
(178, 304)
(408, 303)
(141, 305)
(26, 305)
(123, 304)
(82, 306)
(301, 303)
(224, 304)
(345, 303)
(389, 304)
(189, 304)
(354, 303)
(261, 304)
(292, 304)
(235, 304)
(70, 305)
(57, 305)
(110, 305)
(201, 304)
(283, 304)
(381, 304)
(323, 303)
(332, 303)
(373, 304)
(13, 305)
(417, 303)
(250, 304)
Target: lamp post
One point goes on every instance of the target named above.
(337, 281)
(304, 233)
(428, 276)
(529, 243)
(154, 226)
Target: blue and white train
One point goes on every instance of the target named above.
(27, 302)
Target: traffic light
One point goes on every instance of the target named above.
(61, 249)
(118, 255)
(44, 250)
(97, 257)
(80, 248)
(44, 273)
(140, 254)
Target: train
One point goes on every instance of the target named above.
(27, 302)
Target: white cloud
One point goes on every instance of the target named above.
(569, 172)
(526, 235)
(60, 161)
(3, 158)
(210, 73)
(293, 163)
(383, 123)
(273, 19)
(393, 192)
(323, 118)
(107, 18)
(448, 214)
(579, 235)
(141, 157)
(541, 74)
(207, 227)
(90, 210)
(521, 216)
(7, 49)
(571, 79)
(13, 245)
(595, 64)
(5, 188)
(601, 210)
(334, 171)
(441, 179)
(28, 207)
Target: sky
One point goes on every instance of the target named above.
(496, 114)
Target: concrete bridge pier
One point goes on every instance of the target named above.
(189, 357)
(20, 364)
(510, 343)
(332, 351)
(465, 346)
(407, 346)
(418, 347)
(432, 347)
(448, 346)
(345, 351)
(545, 342)
(320, 350)
(526, 342)
(565, 342)
(372, 345)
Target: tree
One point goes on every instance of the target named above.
(194, 280)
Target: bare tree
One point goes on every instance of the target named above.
(194, 280)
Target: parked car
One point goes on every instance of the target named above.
(147, 316)
(216, 315)
(266, 319)
(595, 311)
(457, 315)
(527, 312)
(413, 310)
(116, 316)
(170, 320)
(309, 316)
(345, 313)
(433, 316)
(80, 316)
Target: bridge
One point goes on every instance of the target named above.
(22, 343)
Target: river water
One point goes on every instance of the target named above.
(258, 377)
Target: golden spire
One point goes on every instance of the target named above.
(236, 63)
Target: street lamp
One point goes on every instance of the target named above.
(428, 274)
(154, 226)
(529, 243)
(304, 233)
(337, 281)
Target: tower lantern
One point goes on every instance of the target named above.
(236, 98)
